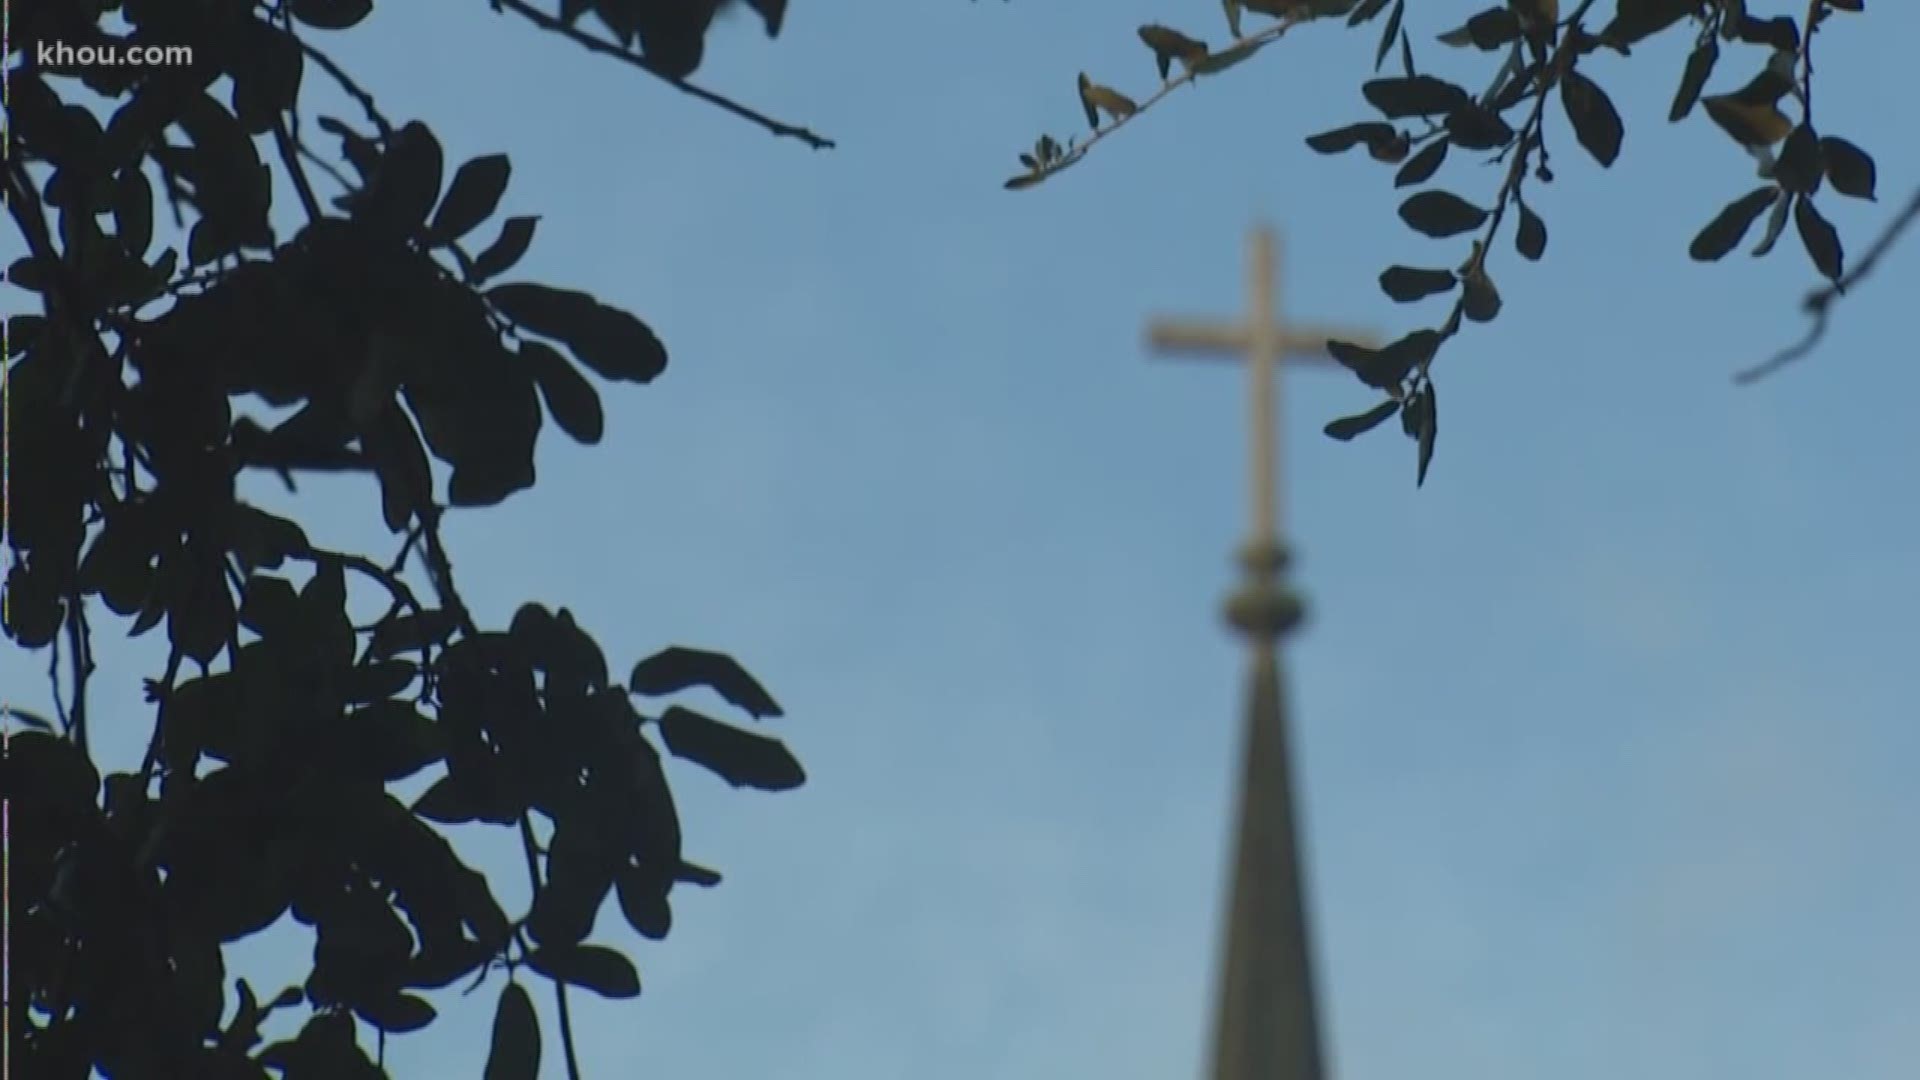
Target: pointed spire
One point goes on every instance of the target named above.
(1268, 1026)
(1267, 1020)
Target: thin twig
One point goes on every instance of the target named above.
(1819, 303)
(157, 692)
(59, 699)
(1532, 137)
(531, 846)
(1814, 8)
(325, 167)
(397, 590)
(353, 89)
(440, 573)
(79, 666)
(607, 48)
(290, 157)
(1245, 47)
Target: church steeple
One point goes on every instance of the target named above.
(1267, 1025)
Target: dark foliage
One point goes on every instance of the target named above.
(1538, 55)
(378, 330)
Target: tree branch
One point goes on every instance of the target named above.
(440, 572)
(1819, 303)
(290, 157)
(607, 48)
(1531, 137)
(1216, 63)
(354, 90)
(79, 666)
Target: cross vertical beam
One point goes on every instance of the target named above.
(1263, 343)
(1268, 1019)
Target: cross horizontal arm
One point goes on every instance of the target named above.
(1225, 341)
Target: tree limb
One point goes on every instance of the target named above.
(1238, 50)
(548, 22)
(1820, 302)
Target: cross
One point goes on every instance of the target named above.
(1264, 343)
(1267, 1026)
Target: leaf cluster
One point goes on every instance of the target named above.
(1538, 73)
(379, 332)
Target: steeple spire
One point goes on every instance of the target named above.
(1267, 1025)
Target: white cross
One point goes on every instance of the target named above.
(1264, 343)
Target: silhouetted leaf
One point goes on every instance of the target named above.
(1480, 300)
(1799, 169)
(1776, 225)
(1779, 33)
(642, 893)
(741, 758)
(29, 720)
(1232, 56)
(1638, 20)
(1169, 45)
(51, 774)
(1370, 365)
(516, 234)
(392, 447)
(1730, 225)
(1348, 427)
(1530, 239)
(571, 400)
(580, 871)
(1420, 167)
(409, 632)
(268, 605)
(332, 14)
(1491, 29)
(1370, 133)
(1420, 95)
(1411, 351)
(210, 239)
(200, 611)
(1406, 284)
(1475, 128)
(1389, 32)
(398, 1013)
(1849, 169)
(1426, 412)
(689, 874)
(1694, 79)
(266, 67)
(393, 740)
(678, 668)
(1365, 12)
(133, 212)
(405, 183)
(614, 344)
(1595, 121)
(1441, 214)
(594, 967)
(515, 1051)
(471, 198)
(1516, 89)
(1821, 241)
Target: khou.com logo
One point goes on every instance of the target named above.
(59, 54)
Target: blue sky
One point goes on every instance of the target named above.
(1605, 734)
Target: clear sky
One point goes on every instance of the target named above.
(1606, 736)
